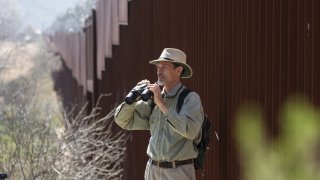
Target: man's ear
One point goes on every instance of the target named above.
(179, 69)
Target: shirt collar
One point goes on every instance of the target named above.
(173, 91)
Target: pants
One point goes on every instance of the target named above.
(184, 172)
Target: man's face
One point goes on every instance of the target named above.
(167, 73)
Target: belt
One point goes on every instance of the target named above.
(174, 164)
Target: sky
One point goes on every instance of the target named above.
(41, 13)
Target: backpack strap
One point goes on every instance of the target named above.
(181, 98)
(152, 105)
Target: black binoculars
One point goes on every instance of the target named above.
(139, 91)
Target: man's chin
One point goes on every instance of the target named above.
(160, 82)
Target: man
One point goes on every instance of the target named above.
(172, 146)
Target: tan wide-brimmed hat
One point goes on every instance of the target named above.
(175, 56)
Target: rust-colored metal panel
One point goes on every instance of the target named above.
(312, 41)
(91, 59)
(89, 45)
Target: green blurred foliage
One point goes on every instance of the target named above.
(293, 155)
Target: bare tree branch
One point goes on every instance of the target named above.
(92, 149)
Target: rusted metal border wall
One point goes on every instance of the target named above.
(239, 50)
(245, 50)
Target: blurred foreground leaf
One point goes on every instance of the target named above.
(292, 155)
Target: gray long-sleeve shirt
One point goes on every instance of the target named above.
(173, 136)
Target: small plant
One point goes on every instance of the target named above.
(91, 149)
(293, 155)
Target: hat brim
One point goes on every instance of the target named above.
(187, 73)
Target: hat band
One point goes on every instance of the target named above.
(167, 58)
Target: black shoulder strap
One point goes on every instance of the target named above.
(152, 105)
(181, 98)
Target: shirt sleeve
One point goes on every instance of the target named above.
(189, 121)
(134, 116)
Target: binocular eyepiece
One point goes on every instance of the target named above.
(139, 91)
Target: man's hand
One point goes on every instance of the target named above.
(145, 81)
(155, 88)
